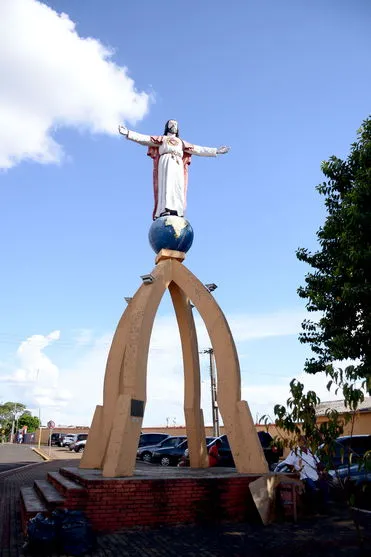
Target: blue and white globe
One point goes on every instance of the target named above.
(170, 232)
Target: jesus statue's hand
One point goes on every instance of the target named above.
(123, 130)
(222, 150)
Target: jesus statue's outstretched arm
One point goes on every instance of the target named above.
(207, 151)
(137, 137)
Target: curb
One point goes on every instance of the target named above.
(42, 454)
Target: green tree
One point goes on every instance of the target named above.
(8, 413)
(339, 287)
(32, 422)
(298, 418)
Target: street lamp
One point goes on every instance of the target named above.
(214, 403)
(148, 279)
(211, 287)
(128, 299)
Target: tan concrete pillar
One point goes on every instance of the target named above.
(192, 380)
(133, 375)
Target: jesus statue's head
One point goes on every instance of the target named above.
(171, 128)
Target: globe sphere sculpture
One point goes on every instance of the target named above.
(170, 232)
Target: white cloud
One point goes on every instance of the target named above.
(263, 398)
(35, 379)
(51, 77)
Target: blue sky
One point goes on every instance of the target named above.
(285, 84)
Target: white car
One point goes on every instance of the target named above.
(68, 440)
(78, 437)
(79, 446)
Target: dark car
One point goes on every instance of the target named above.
(148, 442)
(147, 453)
(359, 474)
(271, 452)
(170, 454)
(348, 449)
(150, 439)
(56, 439)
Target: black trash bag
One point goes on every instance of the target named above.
(75, 533)
(42, 535)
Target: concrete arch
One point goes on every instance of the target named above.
(126, 372)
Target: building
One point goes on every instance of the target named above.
(362, 418)
(360, 425)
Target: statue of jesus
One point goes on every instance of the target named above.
(171, 158)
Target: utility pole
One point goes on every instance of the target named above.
(40, 427)
(13, 424)
(214, 403)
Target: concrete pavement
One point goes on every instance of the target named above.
(14, 456)
(57, 453)
(332, 536)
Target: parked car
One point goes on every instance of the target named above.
(271, 452)
(79, 437)
(356, 473)
(79, 446)
(169, 454)
(346, 449)
(61, 439)
(344, 457)
(56, 439)
(146, 453)
(151, 439)
(68, 439)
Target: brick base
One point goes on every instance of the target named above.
(170, 497)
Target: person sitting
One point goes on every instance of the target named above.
(303, 460)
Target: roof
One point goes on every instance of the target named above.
(339, 405)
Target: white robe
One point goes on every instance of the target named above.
(171, 187)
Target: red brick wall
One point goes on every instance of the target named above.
(112, 505)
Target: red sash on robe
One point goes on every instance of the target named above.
(153, 152)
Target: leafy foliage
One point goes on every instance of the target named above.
(299, 418)
(340, 285)
(9, 411)
(16, 411)
(32, 422)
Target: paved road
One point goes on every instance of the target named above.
(332, 536)
(15, 456)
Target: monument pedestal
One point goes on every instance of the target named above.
(152, 497)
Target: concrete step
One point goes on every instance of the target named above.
(69, 472)
(31, 504)
(74, 493)
(48, 494)
(65, 485)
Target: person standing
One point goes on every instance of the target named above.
(214, 456)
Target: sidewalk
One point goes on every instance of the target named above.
(56, 453)
(318, 537)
